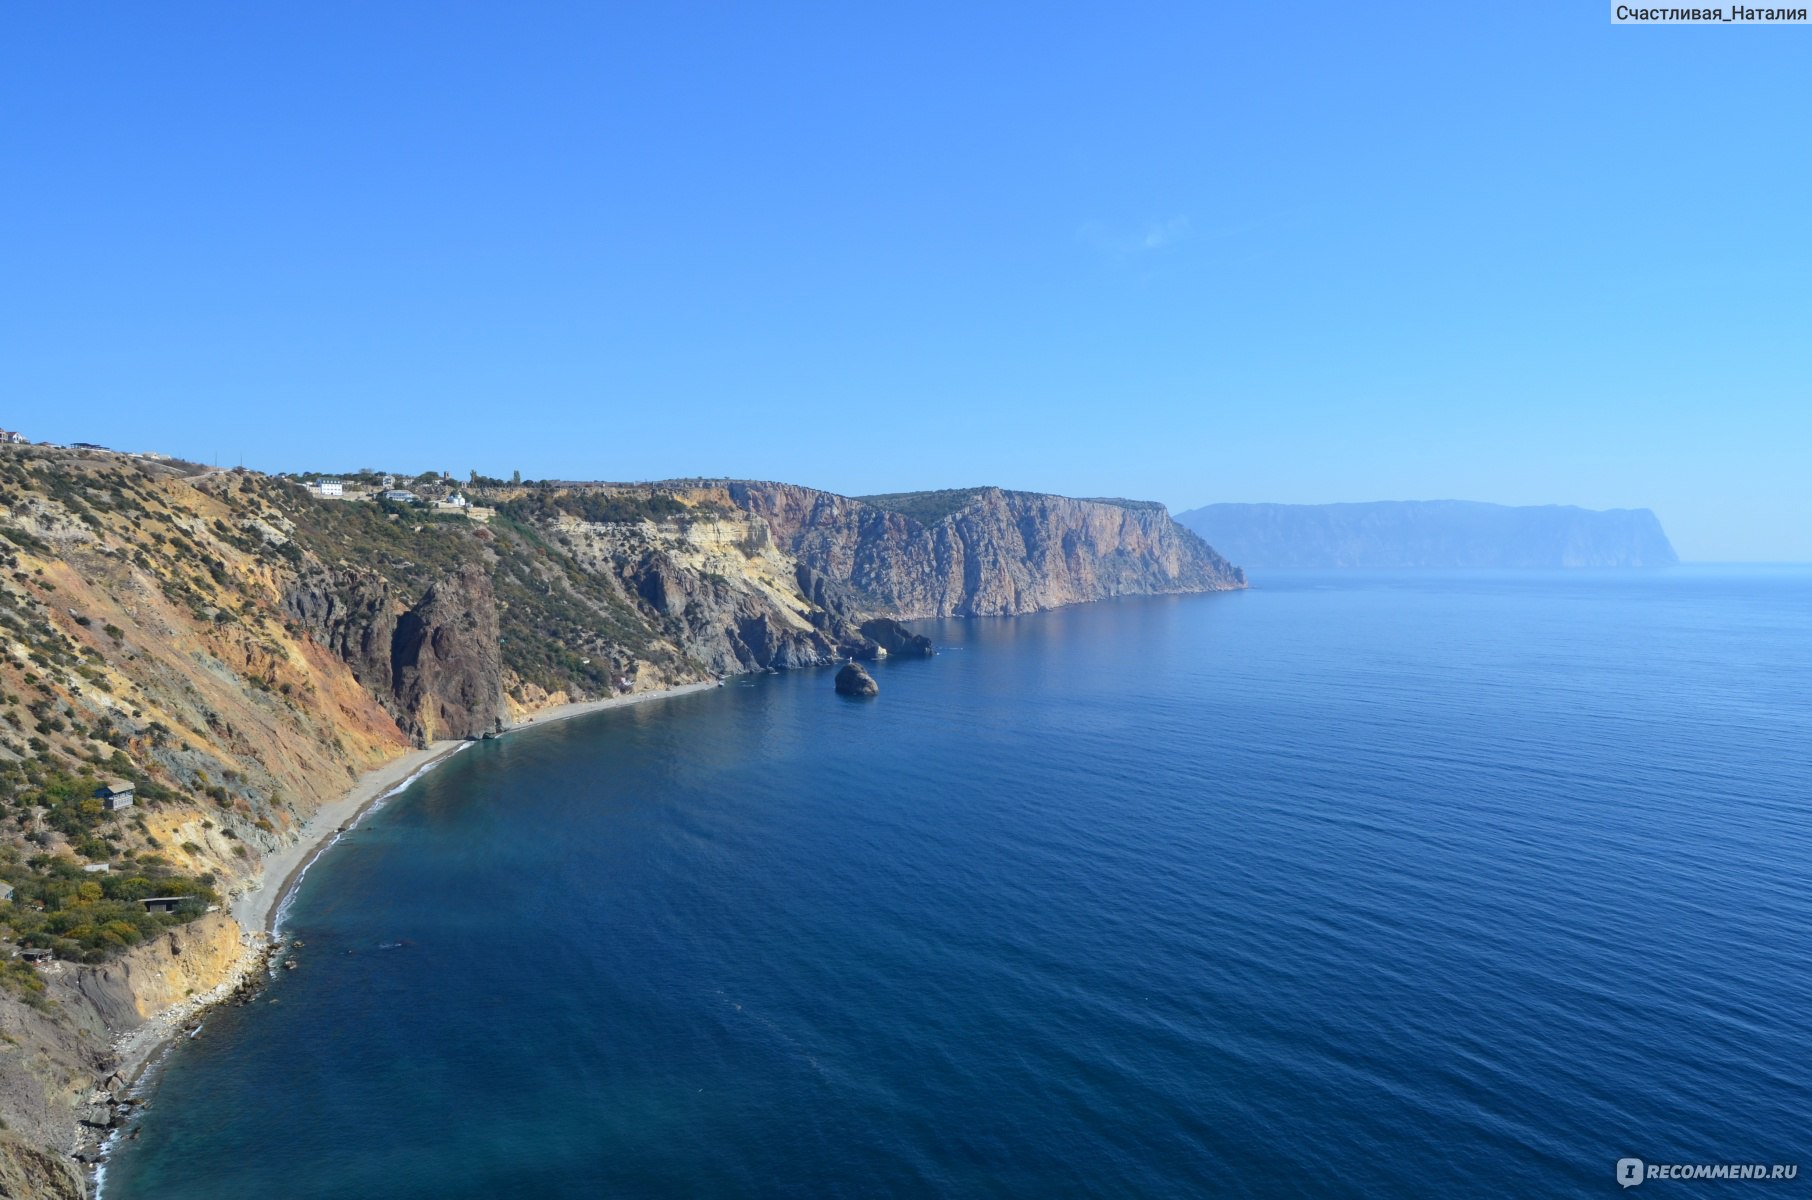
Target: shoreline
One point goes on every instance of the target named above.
(257, 908)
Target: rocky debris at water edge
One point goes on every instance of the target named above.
(891, 637)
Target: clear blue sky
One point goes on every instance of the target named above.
(1246, 251)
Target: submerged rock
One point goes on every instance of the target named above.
(852, 680)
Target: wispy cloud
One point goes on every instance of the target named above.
(1160, 234)
(1125, 243)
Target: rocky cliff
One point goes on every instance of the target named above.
(1432, 533)
(446, 659)
(986, 551)
(717, 586)
(435, 666)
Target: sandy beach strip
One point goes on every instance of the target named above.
(580, 708)
(256, 908)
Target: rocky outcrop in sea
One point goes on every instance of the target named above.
(854, 680)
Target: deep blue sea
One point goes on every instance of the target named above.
(1348, 885)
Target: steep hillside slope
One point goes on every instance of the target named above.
(237, 650)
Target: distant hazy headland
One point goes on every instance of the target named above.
(1430, 533)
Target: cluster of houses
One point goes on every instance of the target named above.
(12, 437)
(446, 500)
(451, 502)
(38, 956)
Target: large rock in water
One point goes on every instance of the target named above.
(852, 680)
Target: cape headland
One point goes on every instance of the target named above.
(207, 673)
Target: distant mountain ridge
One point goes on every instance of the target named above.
(1430, 533)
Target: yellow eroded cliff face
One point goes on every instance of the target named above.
(56, 1068)
(30, 1173)
(188, 961)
